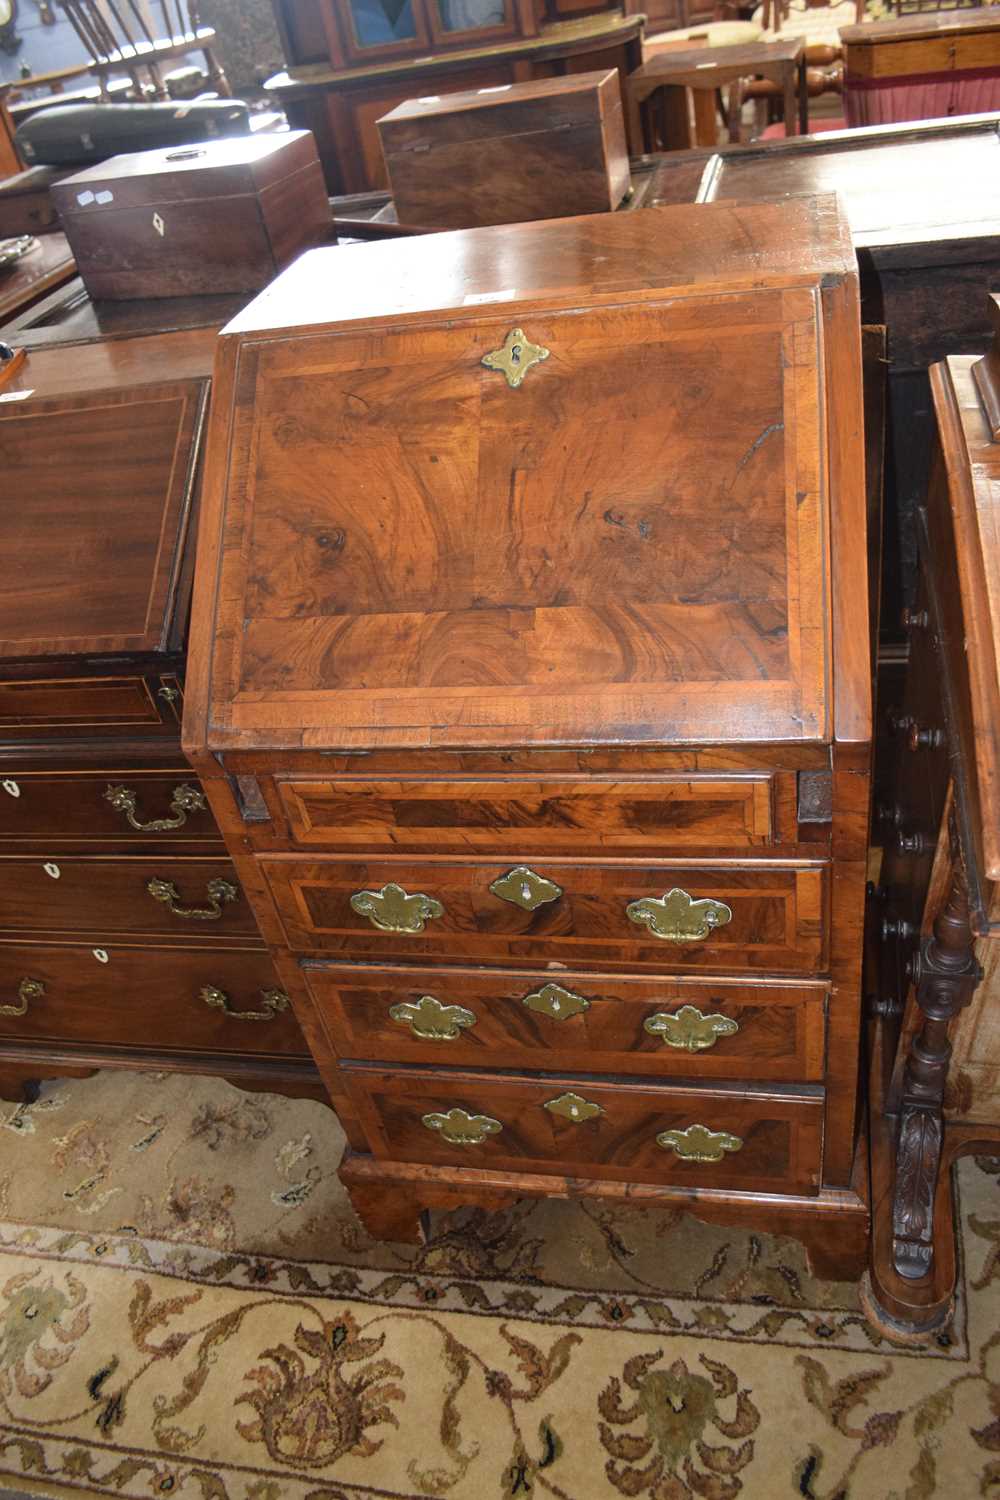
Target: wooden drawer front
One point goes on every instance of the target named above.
(768, 1143)
(777, 920)
(574, 815)
(113, 704)
(146, 997)
(105, 806)
(588, 1022)
(102, 896)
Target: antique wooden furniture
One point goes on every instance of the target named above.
(537, 721)
(47, 264)
(922, 67)
(349, 62)
(542, 150)
(220, 217)
(120, 39)
(658, 91)
(25, 202)
(125, 940)
(936, 1064)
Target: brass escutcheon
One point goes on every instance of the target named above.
(677, 917)
(219, 892)
(522, 887)
(186, 799)
(515, 357)
(689, 1029)
(432, 1021)
(27, 990)
(698, 1143)
(573, 1107)
(392, 910)
(556, 1003)
(462, 1129)
(274, 1002)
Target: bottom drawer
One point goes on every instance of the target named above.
(202, 999)
(602, 1128)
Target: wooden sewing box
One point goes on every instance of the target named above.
(537, 717)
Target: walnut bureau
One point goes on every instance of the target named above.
(538, 723)
(125, 940)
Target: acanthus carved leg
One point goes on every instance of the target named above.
(945, 974)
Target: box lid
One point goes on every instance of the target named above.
(98, 482)
(566, 482)
(234, 165)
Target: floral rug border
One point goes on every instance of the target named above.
(749, 1322)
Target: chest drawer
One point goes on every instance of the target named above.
(619, 1132)
(105, 806)
(226, 1001)
(766, 916)
(568, 815)
(196, 899)
(100, 705)
(580, 1021)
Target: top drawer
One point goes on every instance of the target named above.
(570, 815)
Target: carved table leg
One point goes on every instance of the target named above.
(945, 973)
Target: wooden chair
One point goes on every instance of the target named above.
(119, 39)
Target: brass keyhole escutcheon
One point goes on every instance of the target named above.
(524, 888)
(515, 357)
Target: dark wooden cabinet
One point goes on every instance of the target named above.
(538, 719)
(935, 1075)
(125, 937)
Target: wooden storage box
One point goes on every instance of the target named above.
(224, 216)
(541, 150)
(537, 715)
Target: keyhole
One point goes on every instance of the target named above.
(515, 354)
(11, 788)
(52, 870)
(525, 891)
(101, 954)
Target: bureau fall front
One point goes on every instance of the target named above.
(530, 684)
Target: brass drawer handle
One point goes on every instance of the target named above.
(515, 357)
(431, 1021)
(677, 917)
(392, 910)
(573, 1107)
(27, 990)
(219, 892)
(462, 1129)
(522, 887)
(186, 799)
(556, 1003)
(689, 1029)
(274, 1002)
(698, 1143)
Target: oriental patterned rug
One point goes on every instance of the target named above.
(188, 1308)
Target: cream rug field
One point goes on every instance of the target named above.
(188, 1308)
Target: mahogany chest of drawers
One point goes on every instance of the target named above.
(125, 938)
(538, 722)
(510, 153)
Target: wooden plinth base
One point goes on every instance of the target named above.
(22, 1069)
(913, 1311)
(390, 1198)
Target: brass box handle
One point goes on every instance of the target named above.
(431, 1021)
(698, 1143)
(274, 1002)
(393, 910)
(460, 1128)
(689, 1029)
(677, 917)
(27, 990)
(219, 892)
(186, 799)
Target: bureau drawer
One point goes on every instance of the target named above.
(587, 1022)
(101, 705)
(105, 806)
(569, 815)
(190, 899)
(225, 1001)
(768, 916)
(621, 1131)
